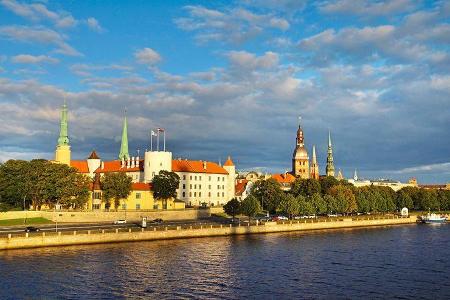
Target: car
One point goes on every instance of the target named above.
(32, 229)
(284, 218)
(158, 220)
(265, 219)
(120, 222)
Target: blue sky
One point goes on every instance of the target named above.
(230, 78)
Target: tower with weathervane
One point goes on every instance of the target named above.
(300, 158)
(62, 153)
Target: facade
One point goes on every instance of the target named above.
(300, 158)
(202, 183)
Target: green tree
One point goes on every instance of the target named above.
(305, 187)
(116, 186)
(331, 202)
(250, 206)
(305, 206)
(13, 183)
(404, 200)
(165, 186)
(268, 193)
(328, 182)
(319, 204)
(289, 205)
(345, 199)
(232, 207)
(443, 197)
(363, 199)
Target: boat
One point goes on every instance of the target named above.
(432, 218)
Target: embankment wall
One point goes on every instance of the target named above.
(87, 237)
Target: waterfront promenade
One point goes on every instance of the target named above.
(46, 239)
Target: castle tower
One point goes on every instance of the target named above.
(123, 154)
(62, 153)
(300, 159)
(93, 162)
(231, 169)
(314, 171)
(330, 165)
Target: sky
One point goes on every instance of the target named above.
(231, 78)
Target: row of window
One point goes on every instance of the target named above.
(195, 177)
(200, 194)
(200, 186)
(98, 195)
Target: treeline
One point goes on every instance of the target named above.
(39, 182)
(328, 195)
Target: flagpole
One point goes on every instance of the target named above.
(151, 140)
(157, 141)
(164, 136)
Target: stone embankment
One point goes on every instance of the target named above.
(46, 239)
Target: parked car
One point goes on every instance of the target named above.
(158, 221)
(279, 218)
(265, 219)
(32, 229)
(332, 215)
(120, 222)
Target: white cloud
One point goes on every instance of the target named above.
(147, 56)
(94, 25)
(38, 35)
(246, 60)
(431, 168)
(31, 59)
(366, 8)
(86, 69)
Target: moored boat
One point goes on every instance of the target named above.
(432, 218)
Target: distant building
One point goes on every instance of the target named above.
(285, 180)
(300, 158)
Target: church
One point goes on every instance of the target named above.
(202, 183)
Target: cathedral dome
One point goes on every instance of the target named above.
(300, 153)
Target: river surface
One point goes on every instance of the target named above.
(403, 262)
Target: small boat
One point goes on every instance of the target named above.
(432, 218)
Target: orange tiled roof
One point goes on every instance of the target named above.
(240, 187)
(116, 166)
(284, 178)
(80, 165)
(197, 166)
(141, 186)
(229, 162)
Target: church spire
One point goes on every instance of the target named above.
(123, 154)
(314, 171)
(330, 165)
(63, 132)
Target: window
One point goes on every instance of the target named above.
(195, 186)
(209, 187)
(209, 194)
(223, 194)
(223, 187)
(184, 194)
(209, 178)
(218, 194)
(190, 177)
(199, 194)
(223, 178)
(138, 195)
(218, 178)
(190, 186)
(124, 206)
(96, 206)
(199, 177)
(195, 178)
(184, 177)
(200, 186)
(138, 206)
(190, 194)
(184, 186)
(195, 194)
(97, 195)
(218, 187)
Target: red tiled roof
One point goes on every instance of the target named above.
(197, 166)
(284, 178)
(229, 162)
(80, 165)
(141, 186)
(240, 187)
(116, 166)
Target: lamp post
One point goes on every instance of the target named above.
(56, 217)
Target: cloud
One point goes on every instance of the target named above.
(85, 70)
(367, 8)
(37, 12)
(246, 60)
(147, 56)
(233, 25)
(431, 168)
(31, 59)
(94, 25)
(39, 35)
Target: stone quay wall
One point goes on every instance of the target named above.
(46, 239)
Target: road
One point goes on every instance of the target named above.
(4, 231)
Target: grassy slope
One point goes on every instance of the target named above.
(29, 221)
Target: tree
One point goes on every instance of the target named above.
(332, 205)
(250, 206)
(305, 206)
(13, 183)
(268, 193)
(363, 199)
(233, 207)
(318, 203)
(328, 182)
(116, 186)
(404, 200)
(345, 199)
(165, 186)
(305, 187)
(289, 205)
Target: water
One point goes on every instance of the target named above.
(403, 262)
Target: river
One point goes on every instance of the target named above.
(404, 262)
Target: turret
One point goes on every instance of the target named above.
(93, 162)
(314, 172)
(231, 169)
(330, 164)
(300, 159)
(62, 153)
(123, 154)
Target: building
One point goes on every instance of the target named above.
(314, 171)
(285, 180)
(202, 183)
(300, 158)
(243, 188)
(330, 164)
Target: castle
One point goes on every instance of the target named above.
(202, 183)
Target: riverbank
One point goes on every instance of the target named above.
(45, 239)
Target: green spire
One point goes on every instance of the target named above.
(330, 165)
(63, 135)
(124, 145)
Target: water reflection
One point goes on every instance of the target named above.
(406, 261)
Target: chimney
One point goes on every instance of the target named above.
(204, 165)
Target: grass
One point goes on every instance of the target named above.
(29, 221)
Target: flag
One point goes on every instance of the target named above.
(160, 129)
(154, 133)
